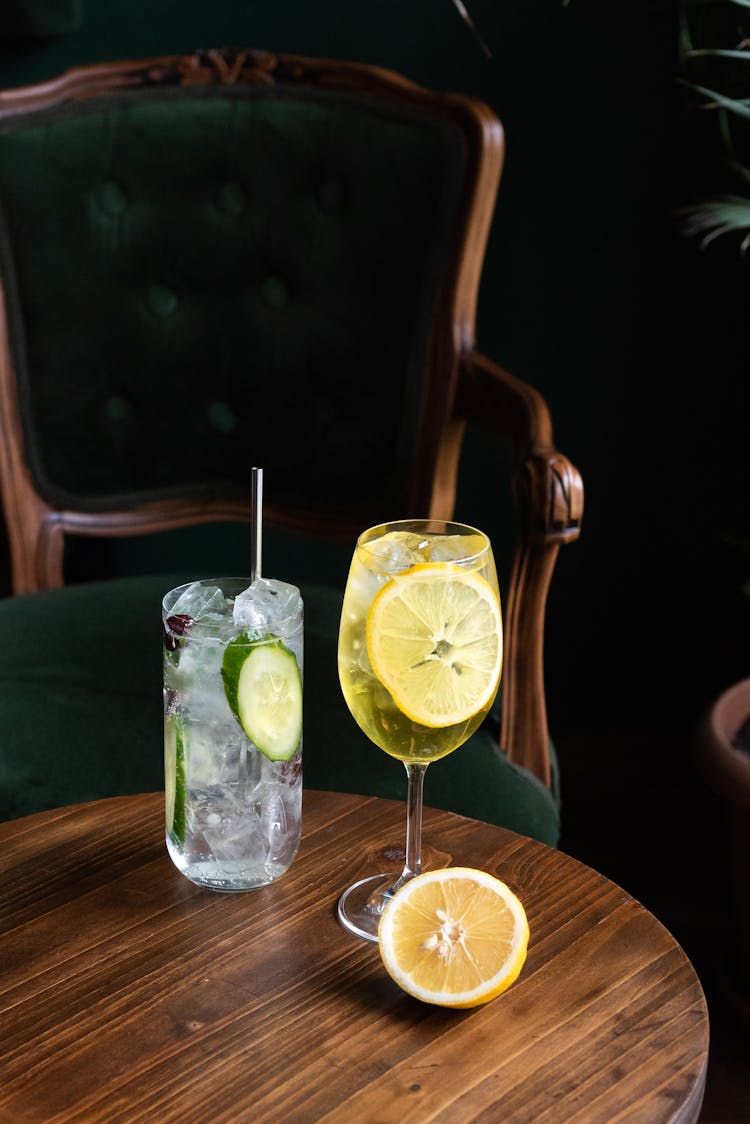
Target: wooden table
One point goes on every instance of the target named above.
(128, 994)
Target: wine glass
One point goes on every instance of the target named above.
(420, 657)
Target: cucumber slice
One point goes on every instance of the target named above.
(263, 686)
(174, 778)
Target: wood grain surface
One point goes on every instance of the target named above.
(128, 994)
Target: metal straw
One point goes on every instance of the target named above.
(256, 549)
(256, 530)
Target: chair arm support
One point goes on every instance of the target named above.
(548, 491)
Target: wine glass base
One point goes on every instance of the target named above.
(362, 904)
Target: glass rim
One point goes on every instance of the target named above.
(446, 526)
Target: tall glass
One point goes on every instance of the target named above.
(420, 658)
(233, 730)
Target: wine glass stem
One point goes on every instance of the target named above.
(413, 865)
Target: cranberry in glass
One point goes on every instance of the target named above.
(176, 628)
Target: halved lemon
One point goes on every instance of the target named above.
(435, 642)
(455, 937)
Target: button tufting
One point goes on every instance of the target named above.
(222, 417)
(161, 300)
(274, 292)
(232, 199)
(110, 198)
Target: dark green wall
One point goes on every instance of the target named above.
(590, 292)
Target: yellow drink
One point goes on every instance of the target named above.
(444, 571)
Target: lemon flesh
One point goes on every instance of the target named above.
(263, 686)
(454, 938)
(435, 642)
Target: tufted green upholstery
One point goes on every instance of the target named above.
(81, 712)
(186, 266)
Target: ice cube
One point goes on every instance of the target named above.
(455, 548)
(200, 663)
(199, 601)
(274, 822)
(239, 838)
(211, 745)
(448, 548)
(267, 605)
(397, 550)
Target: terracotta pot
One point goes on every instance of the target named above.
(726, 770)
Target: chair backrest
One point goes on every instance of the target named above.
(221, 260)
(235, 258)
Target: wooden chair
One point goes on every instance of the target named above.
(236, 258)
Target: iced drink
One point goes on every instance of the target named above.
(233, 730)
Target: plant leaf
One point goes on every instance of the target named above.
(741, 107)
(727, 214)
(717, 52)
(463, 13)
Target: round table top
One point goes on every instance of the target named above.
(128, 994)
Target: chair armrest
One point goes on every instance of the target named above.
(548, 493)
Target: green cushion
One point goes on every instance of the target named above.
(81, 712)
(181, 264)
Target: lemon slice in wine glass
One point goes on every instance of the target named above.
(435, 642)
